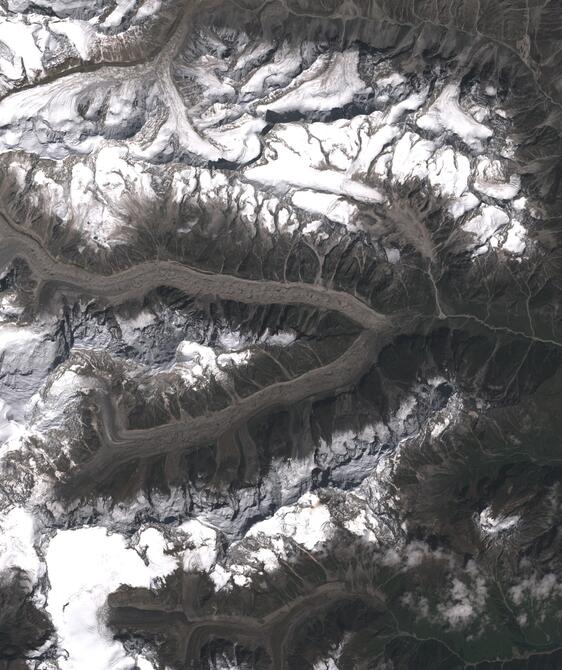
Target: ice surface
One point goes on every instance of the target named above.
(203, 552)
(460, 206)
(490, 180)
(486, 224)
(516, 240)
(84, 567)
(411, 155)
(289, 172)
(17, 551)
(449, 172)
(320, 87)
(307, 522)
(335, 208)
(446, 114)
(27, 57)
(79, 33)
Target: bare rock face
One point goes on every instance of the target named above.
(280, 335)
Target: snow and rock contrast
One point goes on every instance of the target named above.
(280, 335)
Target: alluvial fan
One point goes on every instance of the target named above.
(280, 335)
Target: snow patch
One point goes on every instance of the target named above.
(491, 525)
